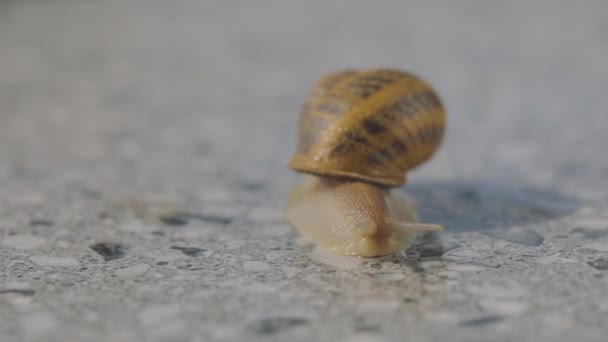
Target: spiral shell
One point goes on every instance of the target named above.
(369, 125)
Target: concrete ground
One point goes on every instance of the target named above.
(142, 172)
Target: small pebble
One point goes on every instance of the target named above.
(174, 220)
(599, 264)
(109, 251)
(189, 251)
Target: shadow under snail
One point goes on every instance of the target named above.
(359, 132)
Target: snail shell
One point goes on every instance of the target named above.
(369, 125)
(359, 132)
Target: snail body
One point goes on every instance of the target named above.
(359, 133)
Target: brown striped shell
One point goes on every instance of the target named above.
(370, 125)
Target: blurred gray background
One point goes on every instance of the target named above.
(115, 113)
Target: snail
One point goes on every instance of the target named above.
(359, 132)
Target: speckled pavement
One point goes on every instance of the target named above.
(142, 172)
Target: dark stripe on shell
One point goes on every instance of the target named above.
(373, 127)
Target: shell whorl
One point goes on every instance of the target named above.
(370, 125)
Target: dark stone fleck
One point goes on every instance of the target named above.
(211, 218)
(409, 300)
(599, 264)
(435, 248)
(273, 325)
(109, 251)
(180, 219)
(252, 186)
(482, 321)
(189, 251)
(399, 147)
(41, 223)
(189, 268)
(174, 220)
(23, 292)
(158, 233)
(518, 235)
(162, 263)
(469, 195)
(373, 127)
(367, 325)
(376, 265)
